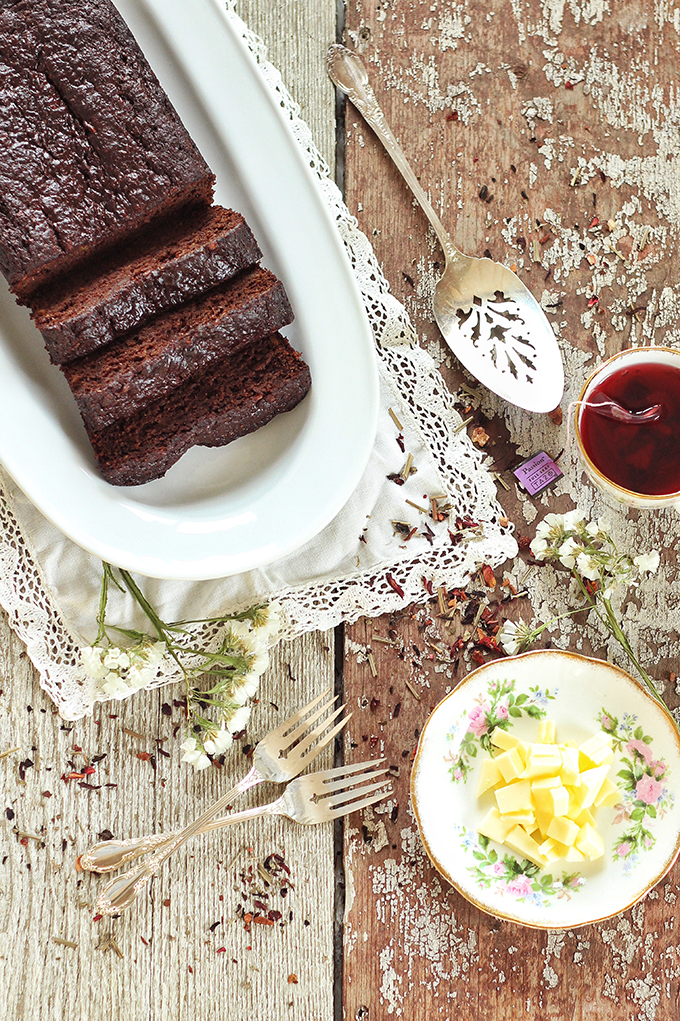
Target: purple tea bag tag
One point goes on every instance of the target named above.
(537, 473)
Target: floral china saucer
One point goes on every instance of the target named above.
(641, 832)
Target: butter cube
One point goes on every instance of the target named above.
(510, 764)
(569, 770)
(516, 797)
(550, 850)
(489, 776)
(582, 817)
(544, 783)
(573, 854)
(494, 826)
(596, 751)
(520, 841)
(563, 830)
(525, 818)
(543, 820)
(542, 760)
(609, 794)
(592, 780)
(559, 800)
(504, 739)
(588, 841)
(546, 731)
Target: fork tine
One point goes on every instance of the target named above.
(304, 725)
(303, 747)
(347, 783)
(344, 797)
(329, 774)
(335, 813)
(284, 727)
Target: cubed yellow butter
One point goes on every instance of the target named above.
(597, 750)
(563, 830)
(592, 780)
(573, 854)
(549, 849)
(524, 818)
(583, 817)
(510, 764)
(504, 739)
(520, 841)
(569, 771)
(546, 731)
(544, 783)
(516, 797)
(489, 776)
(543, 820)
(494, 826)
(589, 842)
(609, 794)
(542, 760)
(559, 800)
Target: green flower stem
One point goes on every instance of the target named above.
(610, 622)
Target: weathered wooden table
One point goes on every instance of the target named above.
(548, 135)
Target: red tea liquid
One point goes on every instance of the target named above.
(644, 458)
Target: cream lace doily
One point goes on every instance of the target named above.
(49, 587)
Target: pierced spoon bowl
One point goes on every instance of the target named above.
(489, 319)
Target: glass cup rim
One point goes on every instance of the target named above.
(578, 410)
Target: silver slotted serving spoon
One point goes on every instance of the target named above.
(489, 319)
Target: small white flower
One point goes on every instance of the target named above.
(272, 626)
(539, 548)
(218, 742)
(567, 552)
(260, 662)
(91, 659)
(587, 567)
(116, 659)
(241, 630)
(114, 685)
(153, 654)
(573, 520)
(239, 694)
(137, 678)
(592, 529)
(239, 719)
(647, 562)
(250, 684)
(197, 758)
(550, 527)
(189, 745)
(513, 636)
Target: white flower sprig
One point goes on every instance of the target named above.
(588, 551)
(218, 680)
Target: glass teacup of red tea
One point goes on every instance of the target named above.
(628, 426)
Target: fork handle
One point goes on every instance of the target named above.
(122, 891)
(111, 854)
(348, 73)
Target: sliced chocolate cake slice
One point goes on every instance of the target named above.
(237, 397)
(170, 263)
(92, 149)
(123, 377)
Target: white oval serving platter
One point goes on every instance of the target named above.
(218, 511)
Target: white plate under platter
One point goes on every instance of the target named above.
(218, 511)
(641, 834)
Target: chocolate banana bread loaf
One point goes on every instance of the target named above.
(239, 396)
(92, 149)
(170, 263)
(123, 377)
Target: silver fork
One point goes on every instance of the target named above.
(280, 756)
(308, 800)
